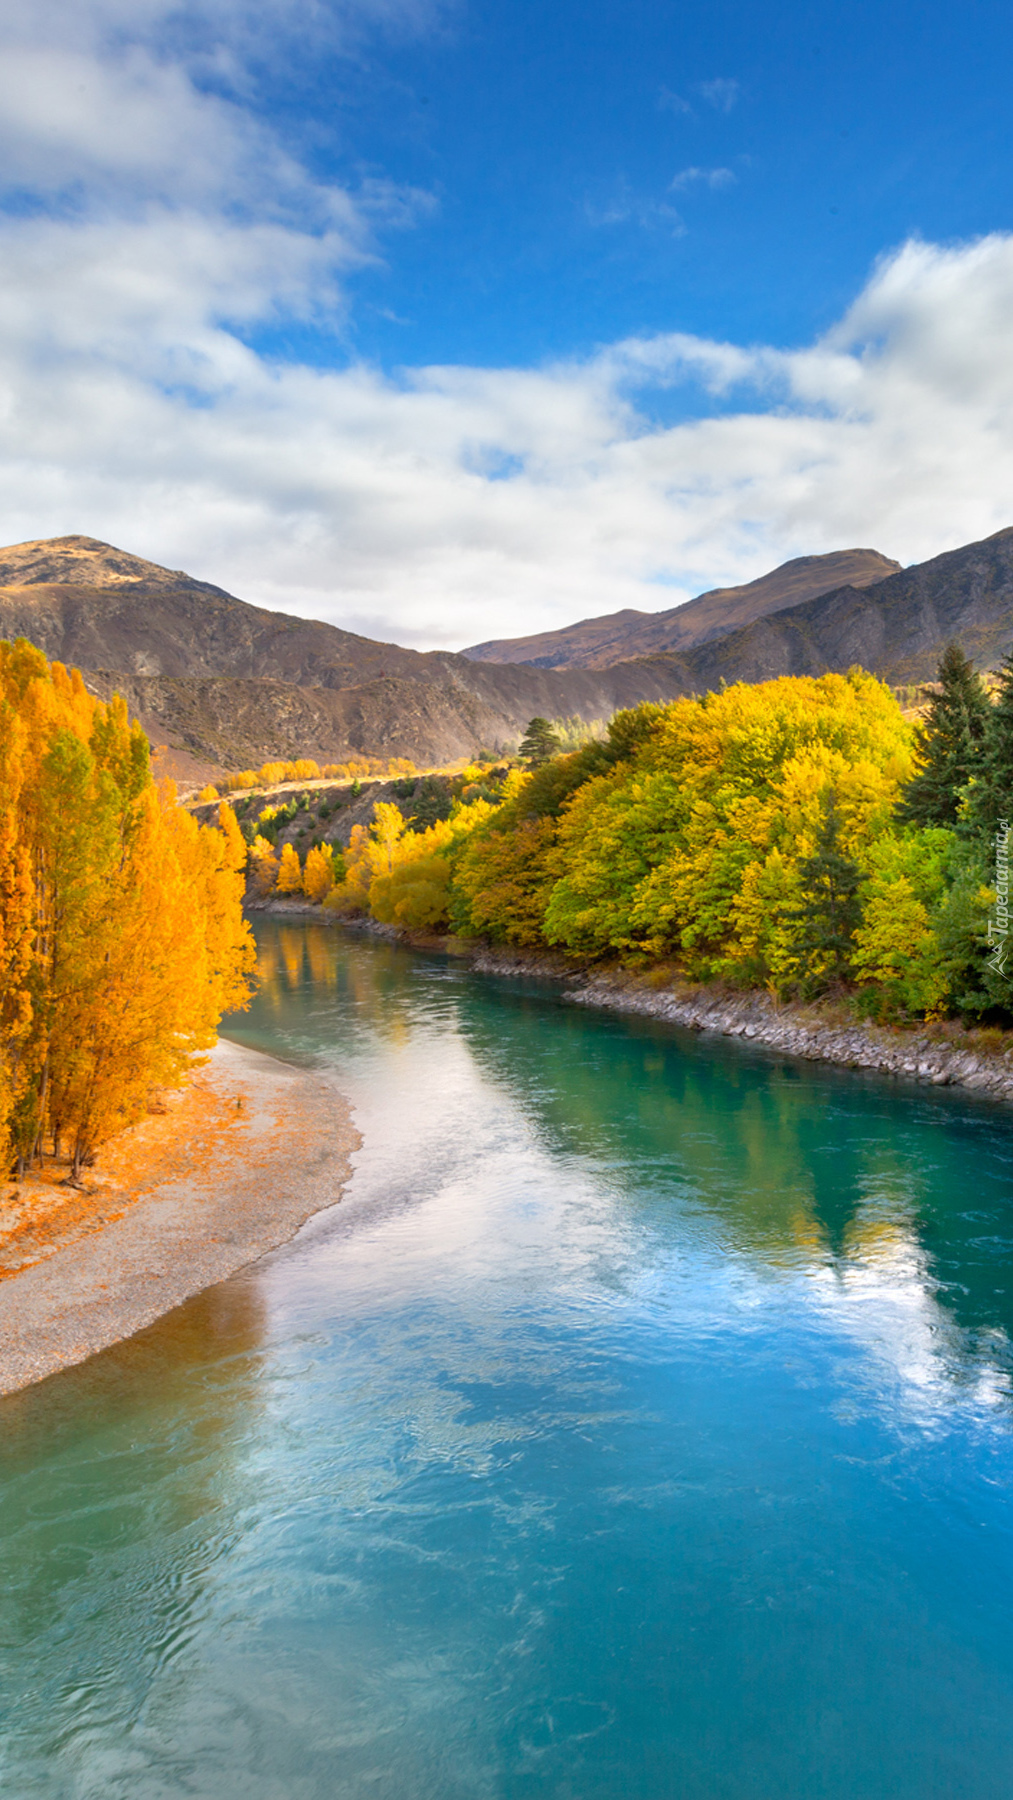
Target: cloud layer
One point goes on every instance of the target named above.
(156, 224)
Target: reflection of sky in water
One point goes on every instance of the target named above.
(637, 1426)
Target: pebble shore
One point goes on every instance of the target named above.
(260, 1147)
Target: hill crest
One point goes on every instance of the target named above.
(599, 643)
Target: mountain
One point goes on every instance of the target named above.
(897, 627)
(616, 637)
(222, 683)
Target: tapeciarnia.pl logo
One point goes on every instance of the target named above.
(998, 921)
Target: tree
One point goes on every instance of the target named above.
(122, 939)
(229, 826)
(289, 871)
(263, 867)
(951, 743)
(539, 743)
(991, 797)
(318, 875)
(829, 912)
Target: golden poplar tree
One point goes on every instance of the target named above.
(289, 871)
(122, 939)
(318, 875)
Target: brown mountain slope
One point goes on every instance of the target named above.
(227, 684)
(231, 683)
(231, 722)
(598, 643)
(897, 627)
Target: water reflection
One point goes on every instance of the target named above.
(795, 1167)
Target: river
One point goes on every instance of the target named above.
(639, 1427)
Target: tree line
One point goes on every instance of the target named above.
(800, 835)
(122, 938)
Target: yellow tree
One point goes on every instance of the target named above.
(318, 875)
(263, 867)
(289, 871)
(121, 931)
(16, 917)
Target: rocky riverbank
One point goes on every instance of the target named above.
(943, 1054)
(813, 1033)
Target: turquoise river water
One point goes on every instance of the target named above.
(639, 1427)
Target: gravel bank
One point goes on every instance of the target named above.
(253, 1150)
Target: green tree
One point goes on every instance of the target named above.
(539, 743)
(830, 911)
(991, 798)
(952, 742)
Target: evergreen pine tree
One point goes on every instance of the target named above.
(539, 744)
(992, 795)
(830, 911)
(952, 743)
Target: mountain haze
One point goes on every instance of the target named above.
(615, 637)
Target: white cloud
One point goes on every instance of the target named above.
(452, 504)
(711, 178)
(441, 505)
(670, 102)
(720, 93)
(623, 206)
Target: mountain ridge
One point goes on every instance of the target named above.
(600, 642)
(224, 684)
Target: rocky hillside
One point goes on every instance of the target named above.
(897, 627)
(599, 643)
(221, 684)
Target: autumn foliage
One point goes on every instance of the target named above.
(762, 836)
(122, 940)
(305, 768)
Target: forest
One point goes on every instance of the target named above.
(122, 936)
(800, 835)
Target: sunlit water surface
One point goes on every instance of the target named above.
(639, 1426)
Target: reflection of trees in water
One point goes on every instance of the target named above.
(365, 979)
(808, 1169)
(108, 1582)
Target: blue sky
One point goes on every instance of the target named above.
(447, 321)
(803, 142)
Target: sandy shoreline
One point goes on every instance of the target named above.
(251, 1152)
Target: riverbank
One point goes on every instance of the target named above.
(230, 1170)
(942, 1054)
